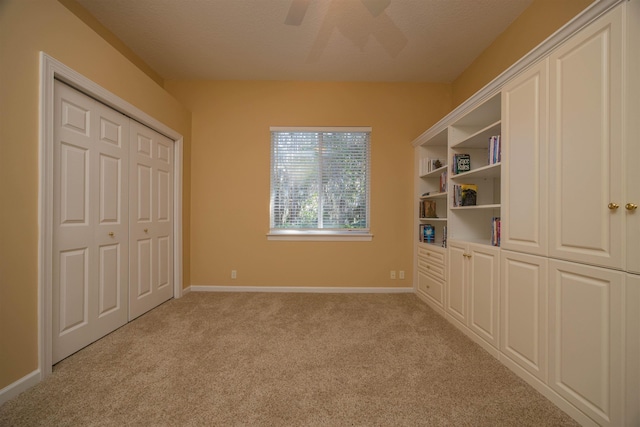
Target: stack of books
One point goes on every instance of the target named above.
(428, 209)
(465, 195)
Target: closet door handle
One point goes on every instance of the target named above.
(631, 206)
(613, 206)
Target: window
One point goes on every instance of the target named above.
(320, 182)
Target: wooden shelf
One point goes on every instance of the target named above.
(434, 196)
(489, 171)
(435, 173)
(480, 138)
(476, 207)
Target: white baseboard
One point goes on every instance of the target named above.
(23, 384)
(298, 289)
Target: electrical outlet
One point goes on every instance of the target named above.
(234, 274)
(401, 275)
(393, 274)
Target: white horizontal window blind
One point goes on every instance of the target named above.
(320, 180)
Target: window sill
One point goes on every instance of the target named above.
(320, 236)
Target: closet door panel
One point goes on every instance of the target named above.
(151, 222)
(525, 136)
(524, 311)
(586, 350)
(586, 204)
(90, 236)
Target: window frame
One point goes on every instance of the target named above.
(316, 234)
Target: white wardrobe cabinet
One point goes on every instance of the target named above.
(558, 301)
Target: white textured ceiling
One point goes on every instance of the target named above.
(337, 40)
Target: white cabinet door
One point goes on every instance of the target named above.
(632, 138)
(586, 348)
(473, 288)
(524, 311)
(456, 297)
(484, 291)
(585, 79)
(524, 162)
(90, 237)
(151, 220)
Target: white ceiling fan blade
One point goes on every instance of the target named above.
(297, 10)
(376, 7)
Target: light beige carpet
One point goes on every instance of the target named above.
(276, 359)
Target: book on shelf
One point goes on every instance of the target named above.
(465, 195)
(461, 163)
(428, 209)
(428, 165)
(495, 231)
(495, 153)
(443, 182)
(427, 233)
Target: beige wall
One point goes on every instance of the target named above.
(531, 28)
(27, 27)
(230, 175)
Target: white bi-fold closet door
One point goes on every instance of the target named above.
(112, 217)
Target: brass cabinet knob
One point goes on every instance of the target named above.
(631, 206)
(146, 230)
(613, 206)
(111, 234)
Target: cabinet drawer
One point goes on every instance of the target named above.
(432, 255)
(436, 270)
(431, 287)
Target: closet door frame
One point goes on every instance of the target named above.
(50, 70)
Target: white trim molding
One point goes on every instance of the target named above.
(17, 387)
(301, 289)
(51, 70)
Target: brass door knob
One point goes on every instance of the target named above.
(111, 234)
(631, 206)
(613, 206)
